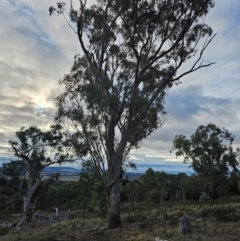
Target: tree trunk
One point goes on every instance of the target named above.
(28, 208)
(211, 188)
(115, 158)
(29, 202)
(185, 225)
(161, 197)
(114, 218)
(183, 192)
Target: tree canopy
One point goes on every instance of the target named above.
(210, 153)
(35, 150)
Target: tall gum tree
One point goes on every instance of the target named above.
(133, 51)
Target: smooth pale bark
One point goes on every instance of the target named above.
(183, 192)
(113, 189)
(28, 201)
(29, 204)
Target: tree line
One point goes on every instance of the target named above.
(87, 194)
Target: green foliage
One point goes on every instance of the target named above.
(86, 194)
(36, 150)
(203, 196)
(3, 231)
(195, 186)
(129, 219)
(210, 153)
(224, 214)
(134, 190)
(135, 218)
(49, 237)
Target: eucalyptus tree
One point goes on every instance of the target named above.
(36, 150)
(14, 171)
(161, 184)
(181, 178)
(210, 153)
(132, 54)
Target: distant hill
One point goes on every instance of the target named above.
(70, 171)
(74, 172)
(64, 171)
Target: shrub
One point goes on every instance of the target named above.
(203, 196)
(140, 218)
(130, 219)
(3, 231)
(225, 214)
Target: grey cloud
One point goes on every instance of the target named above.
(188, 109)
(160, 164)
(25, 116)
(3, 148)
(39, 50)
(190, 100)
(236, 133)
(27, 109)
(4, 138)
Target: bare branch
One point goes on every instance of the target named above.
(69, 24)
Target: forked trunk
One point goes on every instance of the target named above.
(115, 158)
(28, 209)
(114, 218)
(29, 204)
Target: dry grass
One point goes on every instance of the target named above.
(140, 222)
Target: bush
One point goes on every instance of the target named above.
(203, 196)
(225, 214)
(140, 218)
(130, 219)
(3, 231)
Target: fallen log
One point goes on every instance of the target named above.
(5, 224)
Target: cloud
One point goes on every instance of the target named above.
(38, 50)
(167, 167)
(187, 109)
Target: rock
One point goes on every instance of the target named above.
(158, 239)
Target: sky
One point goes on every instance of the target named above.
(37, 50)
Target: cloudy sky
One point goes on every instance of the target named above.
(37, 50)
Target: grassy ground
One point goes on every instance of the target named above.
(141, 222)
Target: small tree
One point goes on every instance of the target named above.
(133, 51)
(15, 171)
(182, 182)
(86, 185)
(161, 183)
(36, 150)
(210, 153)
